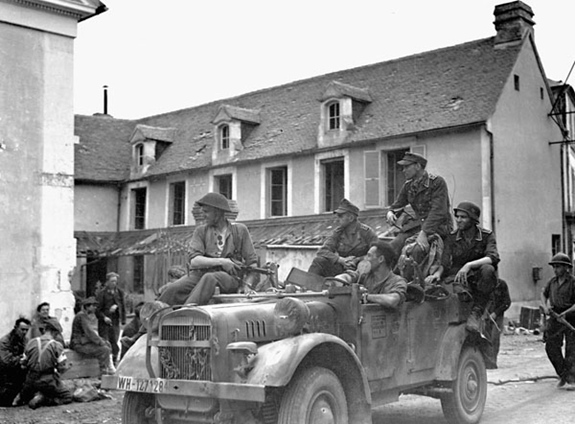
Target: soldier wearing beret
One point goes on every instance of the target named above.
(428, 196)
(470, 261)
(346, 246)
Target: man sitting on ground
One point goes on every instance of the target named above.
(86, 340)
(39, 322)
(12, 374)
(45, 359)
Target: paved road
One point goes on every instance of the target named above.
(513, 403)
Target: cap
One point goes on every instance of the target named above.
(215, 200)
(470, 209)
(561, 259)
(346, 206)
(52, 324)
(90, 301)
(410, 158)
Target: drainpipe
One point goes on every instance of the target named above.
(492, 180)
(119, 207)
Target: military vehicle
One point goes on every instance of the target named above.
(319, 356)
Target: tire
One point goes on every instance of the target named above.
(467, 402)
(315, 396)
(134, 408)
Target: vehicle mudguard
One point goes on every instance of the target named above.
(133, 364)
(276, 363)
(453, 341)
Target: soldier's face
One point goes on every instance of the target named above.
(559, 270)
(45, 311)
(344, 219)
(410, 171)
(211, 214)
(463, 220)
(22, 329)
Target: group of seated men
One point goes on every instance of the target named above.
(32, 354)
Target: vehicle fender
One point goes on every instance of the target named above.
(453, 341)
(133, 364)
(277, 362)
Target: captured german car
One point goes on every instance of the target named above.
(322, 356)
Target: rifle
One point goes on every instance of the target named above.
(561, 319)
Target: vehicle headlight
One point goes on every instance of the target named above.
(290, 316)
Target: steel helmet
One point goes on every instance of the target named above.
(470, 209)
(215, 200)
(561, 259)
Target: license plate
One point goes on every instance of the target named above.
(147, 385)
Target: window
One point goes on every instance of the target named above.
(139, 208)
(333, 171)
(516, 82)
(395, 177)
(223, 184)
(224, 137)
(139, 154)
(277, 178)
(555, 244)
(333, 116)
(138, 274)
(177, 203)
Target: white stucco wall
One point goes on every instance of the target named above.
(95, 208)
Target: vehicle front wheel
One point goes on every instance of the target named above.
(137, 408)
(315, 396)
(467, 401)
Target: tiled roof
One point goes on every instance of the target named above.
(302, 231)
(154, 133)
(443, 88)
(103, 152)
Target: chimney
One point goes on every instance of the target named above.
(513, 21)
(105, 100)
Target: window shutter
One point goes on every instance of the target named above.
(371, 167)
(420, 150)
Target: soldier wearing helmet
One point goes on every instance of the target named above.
(217, 251)
(558, 298)
(470, 261)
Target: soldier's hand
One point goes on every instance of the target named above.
(461, 276)
(229, 266)
(430, 279)
(107, 320)
(391, 218)
(422, 241)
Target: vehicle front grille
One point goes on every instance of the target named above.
(189, 362)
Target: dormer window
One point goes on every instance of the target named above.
(334, 116)
(341, 110)
(139, 154)
(224, 136)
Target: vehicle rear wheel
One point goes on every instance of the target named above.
(466, 403)
(134, 408)
(315, 397)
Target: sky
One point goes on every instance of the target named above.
(161, 56)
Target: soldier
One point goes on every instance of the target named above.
(86, 340)
(39, 321)
(499, 303)
(428, 196)
(470, 261)
(111, 313)
(558, 301)
(346, 246)
(375, 274)
(12, 374)
(45, 359)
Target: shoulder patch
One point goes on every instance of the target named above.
(432, 176)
